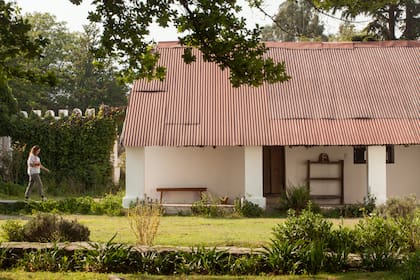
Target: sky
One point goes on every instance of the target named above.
(75, 16)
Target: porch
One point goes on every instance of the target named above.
(260, 174)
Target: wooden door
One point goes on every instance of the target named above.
(274, 170)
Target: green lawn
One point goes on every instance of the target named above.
(191, 231)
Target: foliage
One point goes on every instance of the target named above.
(299, 244)
(295, 198)
(109, 257)
(75, 149)
(211, 26)
(248, 209)
(11, 190)
(17, 48)
(53, 259)
(356, 210)
(109, 205)
(396, 208)
(406, 213)
(79, 83)
(380, 242)
(295, 21)
(144, 220)
(207, 206)
(12, 231)
(387, 15)
(46, 228)
(410, 270)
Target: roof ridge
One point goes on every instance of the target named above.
(321, 45)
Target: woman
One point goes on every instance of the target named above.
(34, 170)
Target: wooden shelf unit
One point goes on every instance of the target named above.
(339, 179)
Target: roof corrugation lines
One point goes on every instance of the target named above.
(339, 94)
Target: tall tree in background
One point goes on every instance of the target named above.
(388, 16)
(296, 20)
(80, 84)
(16, 49)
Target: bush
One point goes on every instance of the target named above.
(406, 213)
(410, 269)
(379, 242)
(300, 244)
(396, 208)
(110, 257)
(144, 220)
(295, 198)
(54, 260)
(207, 207)
(12, 231)
(110, 205)
(11, 189)
(248, 209)
(356, 210)
(46, 228)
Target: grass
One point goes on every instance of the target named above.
(17, 275)
(190, 231)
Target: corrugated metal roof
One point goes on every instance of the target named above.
(339, 94)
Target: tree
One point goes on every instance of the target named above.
(387, 15)
(16, 47)
(212, 26)
(347, 32)
(79, 83)
(296, 20)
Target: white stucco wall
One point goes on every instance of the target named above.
(376, 172)
(135, 175)
(354, 174)
(220, 169)
(403, 177)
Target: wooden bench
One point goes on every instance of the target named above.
(180, 189)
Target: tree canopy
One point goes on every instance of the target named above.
(79, 83)
(388, 16)
(213, 27)
(16, 48)
(295, 20)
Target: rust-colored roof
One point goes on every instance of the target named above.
(339, 94)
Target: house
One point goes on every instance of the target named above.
(346, 124)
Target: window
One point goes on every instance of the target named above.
(359, 154)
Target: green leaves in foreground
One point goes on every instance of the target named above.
(212, 27)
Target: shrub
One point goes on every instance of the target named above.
(144, 220)
(110, 257)
(406, 214)
(379, 242)
(207, 207)
(109, 205)
(356, 210)
(46, 228)
(12, 231)
(248, 209)
(300, 243)
(396, 208)
(340, 244)
(295, 198)
(53, 260)
(11, 189)
(410, 269)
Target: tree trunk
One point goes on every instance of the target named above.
(391, 22)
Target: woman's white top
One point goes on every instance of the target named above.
(32, 160)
